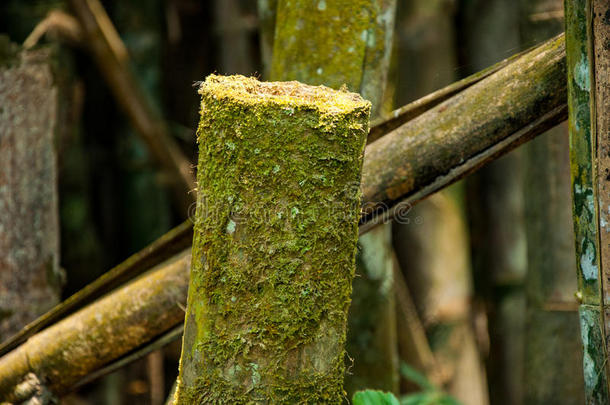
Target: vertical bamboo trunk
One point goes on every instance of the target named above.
(552, 317)
(275, 243)
(490, 31)
(337, 43)
(587, 64)
(432, 242)
(30, 277)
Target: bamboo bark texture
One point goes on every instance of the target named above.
(30, 277)
(587, 34)
(274, 244)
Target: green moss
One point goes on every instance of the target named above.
(274, 245)
(335, 43)
(581, 152)
(339, 43)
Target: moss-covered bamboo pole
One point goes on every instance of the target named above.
(586, 35)
(480, 139)
(275, 242)
(338, 43)
(67, 351)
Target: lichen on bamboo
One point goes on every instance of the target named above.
(275, 242)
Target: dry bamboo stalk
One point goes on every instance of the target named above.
(467, 131)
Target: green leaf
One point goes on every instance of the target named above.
(416, 377)
(373, 397)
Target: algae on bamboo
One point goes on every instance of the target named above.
(275, 242)
(588, 215)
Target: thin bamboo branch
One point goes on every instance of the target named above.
(58, 23)
(129, 95)
(102, 20)
(485, 142)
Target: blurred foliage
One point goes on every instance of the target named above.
(429, 394)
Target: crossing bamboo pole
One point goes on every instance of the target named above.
(64, 353)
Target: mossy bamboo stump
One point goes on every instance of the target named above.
(587, 34)
(275, 242)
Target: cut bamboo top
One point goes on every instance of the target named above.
(250, 91)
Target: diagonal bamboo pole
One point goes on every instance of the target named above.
(498, 103)
(65, 352)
